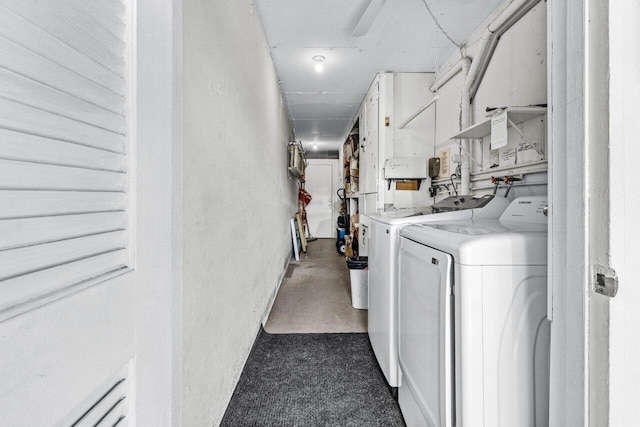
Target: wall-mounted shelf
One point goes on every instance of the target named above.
(532, 167)
(297, 161)
(516, 116)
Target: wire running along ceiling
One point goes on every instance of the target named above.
(357, 38)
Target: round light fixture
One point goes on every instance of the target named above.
(319, 59)
(315, 146)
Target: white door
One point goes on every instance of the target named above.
(320, 184)
(424, 342)
(67, 314)
(75, 341)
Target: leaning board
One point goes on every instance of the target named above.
(303, 238)
(295, 238)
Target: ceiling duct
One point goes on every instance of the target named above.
(366, 20)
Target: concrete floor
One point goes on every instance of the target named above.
(315, 295)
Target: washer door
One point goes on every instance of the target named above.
(425, 337)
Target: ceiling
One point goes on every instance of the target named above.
(358, 39)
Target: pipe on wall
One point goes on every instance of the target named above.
(474, 70)
(457, 67)
(489, 40)
(465, 122)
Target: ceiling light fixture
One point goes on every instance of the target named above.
(319, 59)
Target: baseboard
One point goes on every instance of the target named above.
(272, 300)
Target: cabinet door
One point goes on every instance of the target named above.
(369, 144)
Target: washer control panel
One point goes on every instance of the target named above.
(461, 203)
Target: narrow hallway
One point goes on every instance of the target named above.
(315, 296)
(313, 365)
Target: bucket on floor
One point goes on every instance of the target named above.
(359, 273)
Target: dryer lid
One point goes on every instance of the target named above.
(511, 240)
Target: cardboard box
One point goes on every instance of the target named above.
(348, 151)
(408, 184)
(355, 184)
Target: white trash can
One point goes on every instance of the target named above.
(359, 275)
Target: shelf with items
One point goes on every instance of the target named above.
(350, 156)
(515, 115)
(532, 167)
(515, 144)
(351, 172)
(297, 161)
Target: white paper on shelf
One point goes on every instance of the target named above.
(499, 130)
(444, 162)
(507, 156)
(527, 151)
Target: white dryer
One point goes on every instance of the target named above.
(384, 249)
(473, 332)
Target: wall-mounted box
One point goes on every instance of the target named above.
(405, 168)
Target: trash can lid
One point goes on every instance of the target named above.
(357, 262)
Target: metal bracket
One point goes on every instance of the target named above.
(605, 280)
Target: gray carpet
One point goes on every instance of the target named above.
(312, 380)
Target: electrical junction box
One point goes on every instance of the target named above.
(434, 167)
(405, 168)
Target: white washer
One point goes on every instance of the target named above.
(473, 334)
(384, 249)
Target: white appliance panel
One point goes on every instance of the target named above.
(502, 346)
(502, 334)
(383, 251)
(382, 300)
(425, 335)
(364, 238)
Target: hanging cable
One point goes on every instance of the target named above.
(435, 20)
(453, 184)
(468, 154)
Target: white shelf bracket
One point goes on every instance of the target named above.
(513, 125)
(417, 113)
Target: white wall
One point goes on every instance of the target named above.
(595, 375)
(517, 73)
(236, 202)
(416, 139)
(624, 55)
(516, 76)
